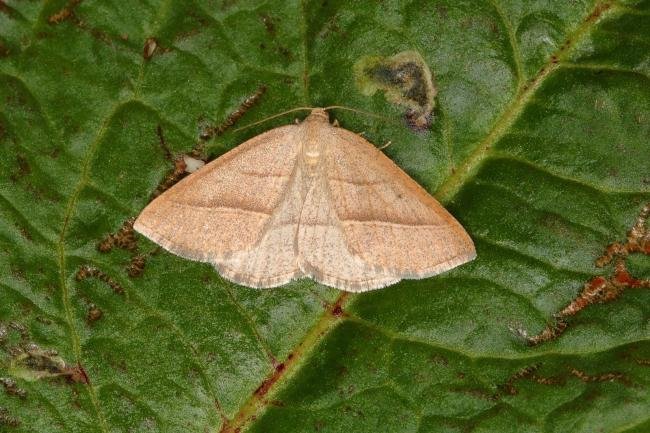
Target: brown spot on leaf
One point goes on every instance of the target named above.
(604, 377)
(603, 289)
(173, 177)
(268, 24)
(163, 144)
(64, 13)
(30, 362)
(180, 166)
(124, 238)
(77, 374)
(233, 117)
(528, 373)
(265, 386)
(68, 13)
(337, 308)
(95, 32)
(598, 11)
(86, 272)
(7, 419)
(149, 49)
(638, 241)
(34, 363)
(94, 314)
(405, 79)
(136, 266)
(12, 389)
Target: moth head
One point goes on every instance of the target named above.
(318, 115)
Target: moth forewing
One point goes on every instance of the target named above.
(311, 200)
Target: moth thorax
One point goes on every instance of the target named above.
(311, 155)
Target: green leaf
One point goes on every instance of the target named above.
(540, 147)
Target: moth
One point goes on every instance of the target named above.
(307, 200)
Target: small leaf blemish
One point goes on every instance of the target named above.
(268, 23)
(94, 314)
(7, 419)
(86, 272)
(529, 373)
(136, 266)
(605, 377)
(601, 289)
(405, 79)
(149, 49)
(64, 13)
(124, 238)
(11, 388)
(233, 117)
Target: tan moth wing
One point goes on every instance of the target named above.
(239, 212)
(324, 251)
(307, 200)
(388, 220)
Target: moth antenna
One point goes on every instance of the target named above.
(388, 143)
(356, 110)
(250, 125)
